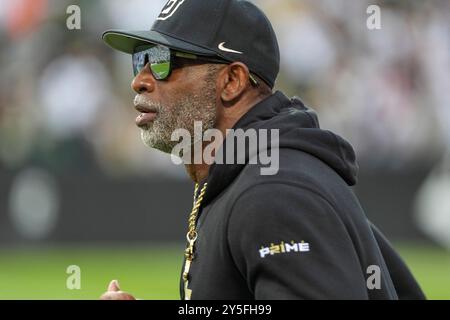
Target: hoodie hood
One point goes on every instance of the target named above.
(298, 129)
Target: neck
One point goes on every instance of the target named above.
(227, 120)
(197, 172)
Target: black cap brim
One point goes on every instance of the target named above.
(127, 41)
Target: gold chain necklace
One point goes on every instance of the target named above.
(191, 237)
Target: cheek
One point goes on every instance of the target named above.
(173, 89)
(190, 78)
(184, 82)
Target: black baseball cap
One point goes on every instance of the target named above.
(235, 30)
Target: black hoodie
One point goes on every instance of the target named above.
(298, 234)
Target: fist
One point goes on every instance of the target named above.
(114, 293)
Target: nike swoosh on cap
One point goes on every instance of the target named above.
(222, 47)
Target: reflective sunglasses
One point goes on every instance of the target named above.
(161, 61)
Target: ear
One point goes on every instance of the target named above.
(235, 81)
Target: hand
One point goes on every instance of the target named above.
(114, 293)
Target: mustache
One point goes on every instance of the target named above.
(143, 101)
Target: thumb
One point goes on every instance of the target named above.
(114, 286)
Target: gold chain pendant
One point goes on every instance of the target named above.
(191, 237)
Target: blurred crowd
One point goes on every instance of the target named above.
(66, 101)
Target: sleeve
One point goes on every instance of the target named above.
(404, 282)
(288, 243)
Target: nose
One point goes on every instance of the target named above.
(144, 82)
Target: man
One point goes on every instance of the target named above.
(295, 233)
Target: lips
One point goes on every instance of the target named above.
(146, 116)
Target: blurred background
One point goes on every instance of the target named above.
(77, 186)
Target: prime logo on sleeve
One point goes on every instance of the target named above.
(284, 247)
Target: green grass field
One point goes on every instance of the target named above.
(153, 272)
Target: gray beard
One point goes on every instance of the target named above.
(180, 115)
